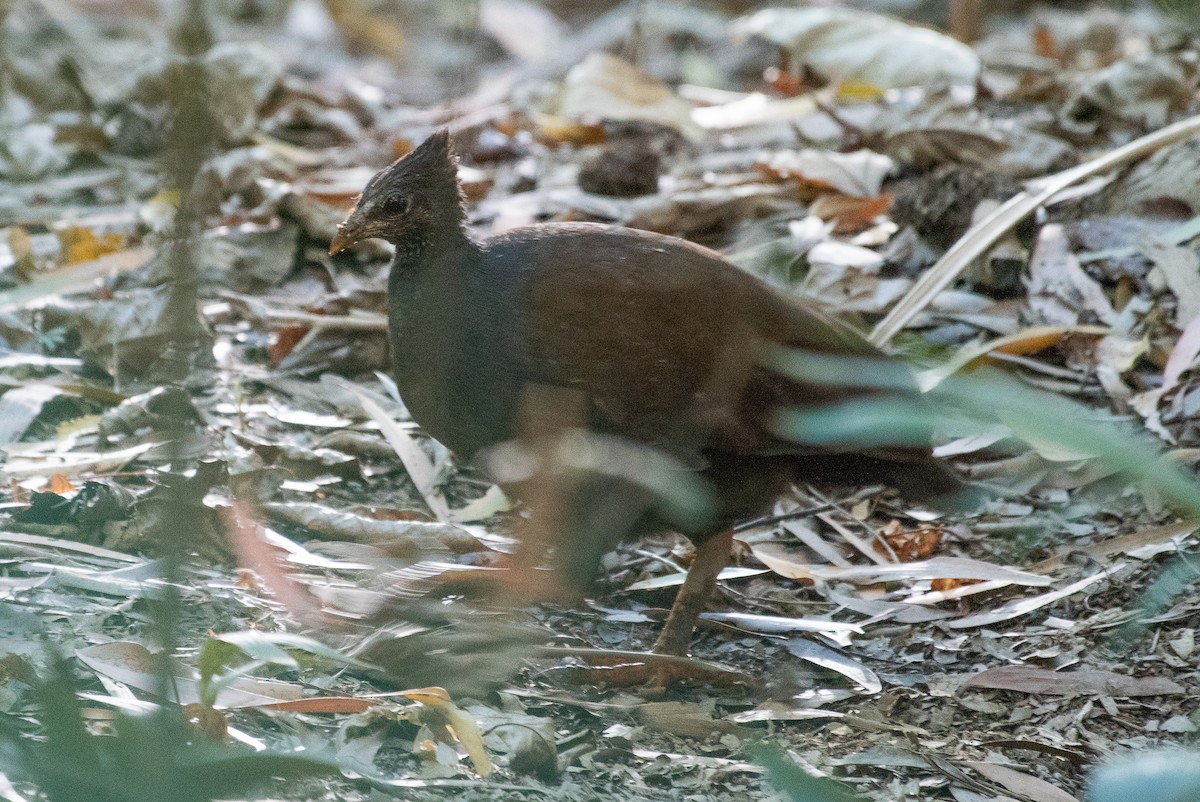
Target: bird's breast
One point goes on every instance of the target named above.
(456, 373)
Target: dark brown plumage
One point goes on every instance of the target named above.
(660, 340)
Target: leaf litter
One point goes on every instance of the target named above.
(778, 137)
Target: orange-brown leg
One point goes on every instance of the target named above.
(711, 556)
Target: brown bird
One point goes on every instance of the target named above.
(642, 338)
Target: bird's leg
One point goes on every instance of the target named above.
(711, 556)
(545, 414)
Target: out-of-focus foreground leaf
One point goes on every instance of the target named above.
(796, 783)
(894, 414)
(148, 757)
(1164, 776)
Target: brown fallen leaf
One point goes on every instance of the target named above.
(947, 584)
(910, 545)
(684, 719)
(851, 214)
(1021, 783)
(1028, 679)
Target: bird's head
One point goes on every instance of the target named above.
(409, 201)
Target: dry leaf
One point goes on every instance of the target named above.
(419, 467)
(82, 245)
(910, 545)
(1060, 292)
(1028, 679)
(604, 87)
(859, 174)
(1024, 785)
(463, 725)
(1019, 607)
(849, 45)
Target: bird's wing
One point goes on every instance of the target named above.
(666, 340)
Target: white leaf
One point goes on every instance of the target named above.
(867, 48)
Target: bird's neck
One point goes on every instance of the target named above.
(426, 290)
(429, 246)
(428, 261)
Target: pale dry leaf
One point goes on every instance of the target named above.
(312, 420)
(130, 582)
(20, 407)
(853, 670)
(880, 610)
(1185, 644)
(779, 625)
(134, 665)
(490, 503)
(13, 588)
(605, 87)
(416, 538)
(972, 443)
(800, 714)
(79, 277)
(76, 463)
(683, 719)
(677, 579)
(953, 594)
(752, 110)
(986, 232)
(527, 30)
(871, 49)
(859, 174)
(1183, 355)
(776, 557)
(1181, 269)
(1116, 355)
(1020, 607)
(298, 555)
(420, 467)
(54, 544)
(1169, 535)
(1060, 292)
(814, 541)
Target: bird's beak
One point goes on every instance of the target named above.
(349, 231)
(347, 235)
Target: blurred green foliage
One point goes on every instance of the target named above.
(239, 654)
(796, 783)
(1170, 775)
(150, 755)
(891, 413)
(1185, 14)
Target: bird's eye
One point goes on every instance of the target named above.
(395, 204)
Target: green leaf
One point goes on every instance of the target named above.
(896, 413)
(867, 423)
(796, 783)
(1168, 775)
(227, 652)
(149, 757)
